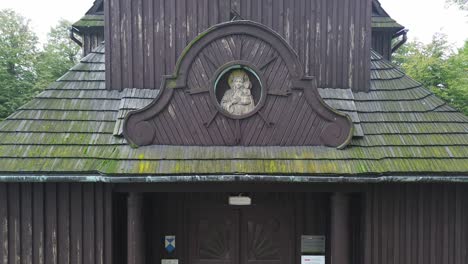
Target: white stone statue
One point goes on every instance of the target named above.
(238, 99)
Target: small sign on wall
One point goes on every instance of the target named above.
(169, 261)
(313, 245)
(169, 243)
(313, 260)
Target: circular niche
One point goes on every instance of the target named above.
(238, 90)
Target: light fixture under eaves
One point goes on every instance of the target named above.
(240, 200)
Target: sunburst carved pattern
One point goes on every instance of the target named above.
(234, 48)
(288, 109)
(262, 240)
(238, 48)
(215, 241)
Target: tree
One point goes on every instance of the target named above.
(462, 4)
(425, 63)
(17, 61)
(59, 55)
(25, 71)
(438, 68)
(456, 91)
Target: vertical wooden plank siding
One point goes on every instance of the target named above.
(70, 223)
(26, 224)
(3, 223)
(91, 40)
(109, 43)
(99, 224)
(76, 226)
(381, 42)
(146, 37)
(88, 224)
(108, 203)
(416, 224)
(14, 219)
(38, 223)
(63, 220)
(50, 220)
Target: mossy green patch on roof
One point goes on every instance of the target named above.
(383, 22)
(90, 21)
(74, 126)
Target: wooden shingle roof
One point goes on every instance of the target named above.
(382, 20)
(385, 23)
(94, 17)
(71, 128)
(90, 21)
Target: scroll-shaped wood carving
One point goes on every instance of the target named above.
(238, 83)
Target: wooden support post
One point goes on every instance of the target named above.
(340, 229)
(135, 229)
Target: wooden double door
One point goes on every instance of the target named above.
(241, 235)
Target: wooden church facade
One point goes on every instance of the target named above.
(89, 223)
(235, 131)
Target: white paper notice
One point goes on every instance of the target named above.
(313, 260)
(169, 261)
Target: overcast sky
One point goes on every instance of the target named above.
(422, 17)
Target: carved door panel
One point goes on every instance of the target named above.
(250, 235)
(265, 236)
(214, 236)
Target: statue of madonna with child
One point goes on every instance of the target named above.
(238, 99)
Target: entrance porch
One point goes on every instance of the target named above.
(209, 229)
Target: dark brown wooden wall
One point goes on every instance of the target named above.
(382, 43)
(69, 223)
(144, 38)
(417, 224)
(55, 223)
(91, 40)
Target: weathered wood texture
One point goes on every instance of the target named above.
(417, 224)
(188, 112)
(92, 40)
(144, 38)
(54, 223)
(382, 43)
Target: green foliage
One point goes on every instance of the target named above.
(456, 91)
(24, 70)
(17, 61)
(438, 68)
(59, 55)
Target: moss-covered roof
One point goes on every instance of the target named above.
(385, 22)
(71, 128)
(90, 22)
(381, 20)
(94, 18)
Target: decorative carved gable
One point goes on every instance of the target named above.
(238, 83)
